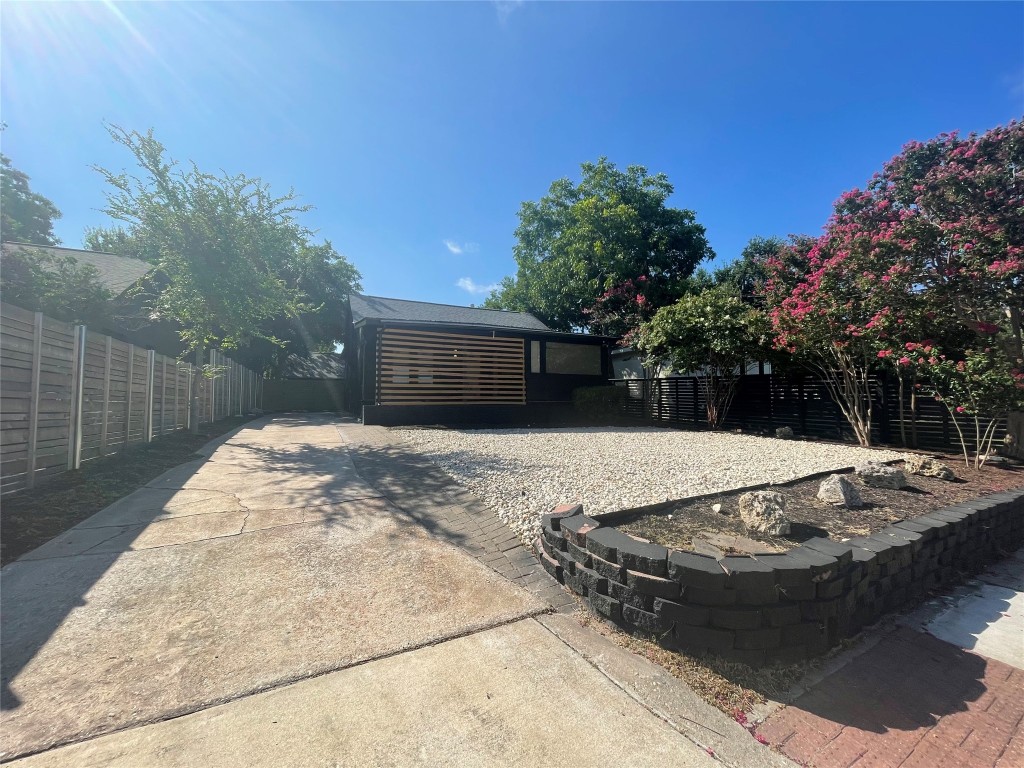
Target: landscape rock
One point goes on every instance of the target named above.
(784, 433)
(717, 508)
(838, 490)
(928, 467)
(881, 476)
(765, 512)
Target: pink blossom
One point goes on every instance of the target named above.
(885, 353)
(904, 361)
(960, 409)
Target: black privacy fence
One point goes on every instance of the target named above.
(766, 402)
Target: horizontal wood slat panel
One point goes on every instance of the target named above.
(433, 368)
(447, 337)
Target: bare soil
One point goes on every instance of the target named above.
(693, 524)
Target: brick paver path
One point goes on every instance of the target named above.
(912, 701)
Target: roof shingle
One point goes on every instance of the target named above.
(115, 273)
(402, 310)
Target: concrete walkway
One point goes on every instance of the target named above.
(306, 594)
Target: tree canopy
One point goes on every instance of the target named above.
(37, 280)
(581, 240)
(25, 216)
(235, 267)
(929, 260)
(712, 334)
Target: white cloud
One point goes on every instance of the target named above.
(505, 8)
(467, 284)
(458, 248)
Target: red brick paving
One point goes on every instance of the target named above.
(912, 701)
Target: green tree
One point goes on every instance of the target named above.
(222, 245)
(25, 216)
(745, 276)
(58, 286)
(712, 335)
(581, 240)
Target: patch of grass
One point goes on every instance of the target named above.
(727, 685)
(33, 517)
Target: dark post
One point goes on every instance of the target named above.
(696, 403)
(802, 406)
(882, 388)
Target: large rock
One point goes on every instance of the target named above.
(928, 467)
(881, 476)
(784, 433)
(838, 490)
(764, 512)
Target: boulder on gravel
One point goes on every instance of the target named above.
(784, 433)
(765, 512)
(838, 490)
(928, 467)
(881, 476)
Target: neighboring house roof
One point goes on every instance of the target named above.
(319, 365)
(115, 273)
(400, 310)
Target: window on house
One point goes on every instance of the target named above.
(534, 357)
(579, 359)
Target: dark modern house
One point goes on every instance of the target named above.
(413, 362)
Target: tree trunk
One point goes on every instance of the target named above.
(196, 386)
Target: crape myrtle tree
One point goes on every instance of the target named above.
(929, 255)
(712, 334)
(582, 240)
(230, 256)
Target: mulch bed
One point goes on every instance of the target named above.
(32, 518)
(695, 525)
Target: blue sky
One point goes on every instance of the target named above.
(416, 129)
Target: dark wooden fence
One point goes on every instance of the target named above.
(766, 402)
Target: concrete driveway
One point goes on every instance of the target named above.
(267, 605)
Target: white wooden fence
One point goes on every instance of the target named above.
(68, 395)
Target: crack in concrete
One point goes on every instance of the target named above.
(180, 712)
(667, 719)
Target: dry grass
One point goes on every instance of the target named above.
(729, 686)
(31, 518)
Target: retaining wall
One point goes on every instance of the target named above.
(778, 608)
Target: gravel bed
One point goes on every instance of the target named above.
(523, 473)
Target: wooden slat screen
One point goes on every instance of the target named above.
(431, 368)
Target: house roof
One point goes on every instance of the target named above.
(400, 310)
(115, 273)
(319, 365)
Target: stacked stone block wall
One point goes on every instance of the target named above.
(777, 608)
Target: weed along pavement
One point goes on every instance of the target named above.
(267, 605)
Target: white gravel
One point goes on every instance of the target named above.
(523, 473)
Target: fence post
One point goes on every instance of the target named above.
(128, 395)
(106, 396)
(163, 394)
(177, 377)
(802, 406)
(213, 386)
(147, 422)
(33, 403)
(696, 401)
(188, 396)
(77, 389)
